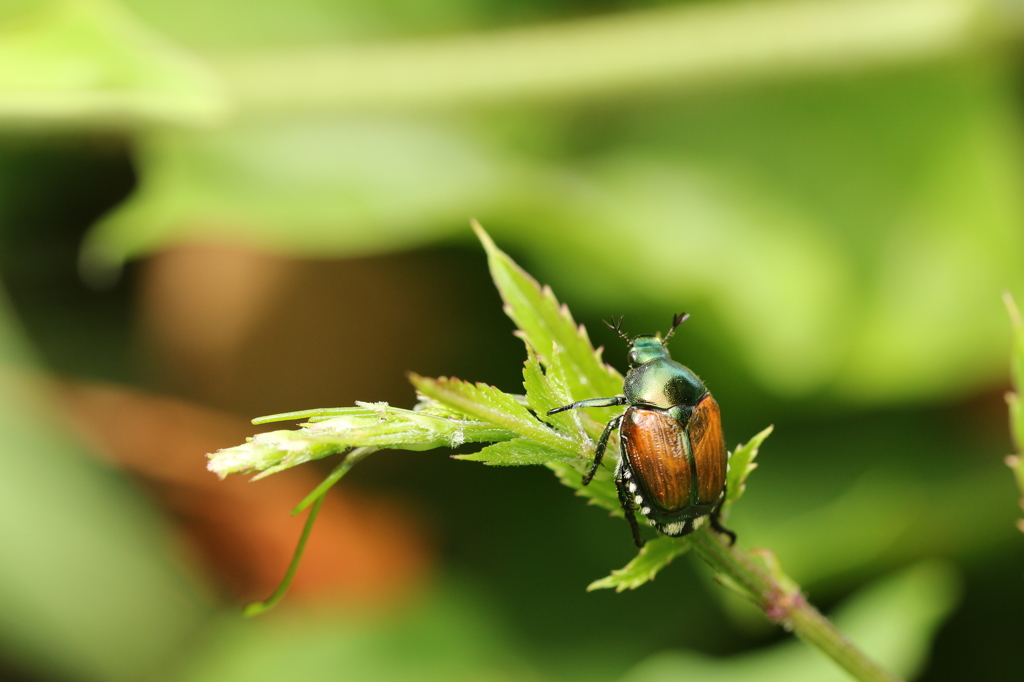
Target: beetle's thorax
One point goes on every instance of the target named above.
(663, 383)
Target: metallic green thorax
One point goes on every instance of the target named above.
(655, 379)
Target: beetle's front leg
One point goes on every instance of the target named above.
(591, 402)
(627, 508)
(602, 444)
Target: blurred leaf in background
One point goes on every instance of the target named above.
(89, 586)
(890, 619)
(90, 62)
(446, 638)
(342, 187)
(446, 635)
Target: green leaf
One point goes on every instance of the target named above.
(601, 491)
(540, 395)
(515, 452)
(273, 451)
(92, 63)
(488, 404)
(544, 324)
(548, 389)
(376, 425)
(380, 425)
(654, 556)
(741, 463)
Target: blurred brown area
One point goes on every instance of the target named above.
(259, 333)
(363, 549)
(252, 333)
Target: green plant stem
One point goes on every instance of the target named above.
(691, 46)
(352, 457)
(256, 608)
(781, 600)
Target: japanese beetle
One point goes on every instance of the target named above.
(673, 460)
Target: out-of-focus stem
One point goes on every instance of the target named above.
(680, 47)
(1013, 398)
(780, 598)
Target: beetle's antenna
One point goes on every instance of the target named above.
(617, 328)
(676, 321)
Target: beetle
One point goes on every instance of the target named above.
(673, 460)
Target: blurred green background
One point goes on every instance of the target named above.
(212, 211)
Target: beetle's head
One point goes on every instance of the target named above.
(647, 347)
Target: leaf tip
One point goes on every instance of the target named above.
(417, 380)
(482, 235)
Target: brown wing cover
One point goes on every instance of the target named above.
(655, 444)
(708, 444)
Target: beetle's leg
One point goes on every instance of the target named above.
(592, 402)
(717, 525)
(602, 443)
(627, 508)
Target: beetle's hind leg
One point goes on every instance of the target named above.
(717, 524)
(627, 507)
(602, 445)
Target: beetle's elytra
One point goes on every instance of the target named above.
(673, 460)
